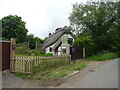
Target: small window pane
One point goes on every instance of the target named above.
(64, 50)
(50, 49)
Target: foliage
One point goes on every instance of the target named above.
(93, 17)
(29, 37)
(103, 56)
(45, 38)
(21, 48)
(85, 42)
(97, 21)
(34, 53)
(22, 75)
(33, 41)
(14, 27)
(82, 41)
(38, 53)
(2, 38)
(39, 40)
(48, 54)
(78, 66)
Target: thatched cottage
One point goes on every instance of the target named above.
(59, 42)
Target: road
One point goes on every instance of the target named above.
(106, 76)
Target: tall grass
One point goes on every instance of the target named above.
(54, 73)
(103, 56)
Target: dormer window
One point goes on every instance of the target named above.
(64, 39)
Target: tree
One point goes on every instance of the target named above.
(29, 37)
(95, 20)
(39, 40)
(32, 41)
(14, 27)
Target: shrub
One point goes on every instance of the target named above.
(48, 54)
(21, 49)
(34, 53)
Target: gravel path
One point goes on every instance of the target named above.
(11, 81)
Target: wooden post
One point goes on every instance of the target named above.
(74, 61)
(83, 53)
(70, 58)
(36, 45)
(12, 46)
(12, 51)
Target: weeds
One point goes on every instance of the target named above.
(102, 57)
(53, 73)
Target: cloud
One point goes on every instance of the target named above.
(41, 16)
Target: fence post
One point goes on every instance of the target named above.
(12, 51)
(83, 53)
(12, 64)
(32, 64)
(25, 65)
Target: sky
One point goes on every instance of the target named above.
(41, 16)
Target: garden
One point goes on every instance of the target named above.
(23, 49)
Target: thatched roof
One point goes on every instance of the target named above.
(55, 36)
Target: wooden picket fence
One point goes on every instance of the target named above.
(28, 64)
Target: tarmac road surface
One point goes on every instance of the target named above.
(106, 76)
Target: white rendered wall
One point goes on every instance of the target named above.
(59, 50)
(48, 49)
(60, 47)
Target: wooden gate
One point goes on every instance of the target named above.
(76, 52)
(4, 55)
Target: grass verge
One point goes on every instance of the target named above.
(54, 72)
(102, 57)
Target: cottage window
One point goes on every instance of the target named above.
(64, 50)
(70, 40)
(50, 49)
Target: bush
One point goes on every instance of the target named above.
(38, 53)
(48, 54)
(21, 48)
(34, 53)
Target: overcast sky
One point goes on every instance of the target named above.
(41, 16)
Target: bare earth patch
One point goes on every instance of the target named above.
(11, 81)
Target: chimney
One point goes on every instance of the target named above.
(58, 29)
(49, 34)
(65, 27)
